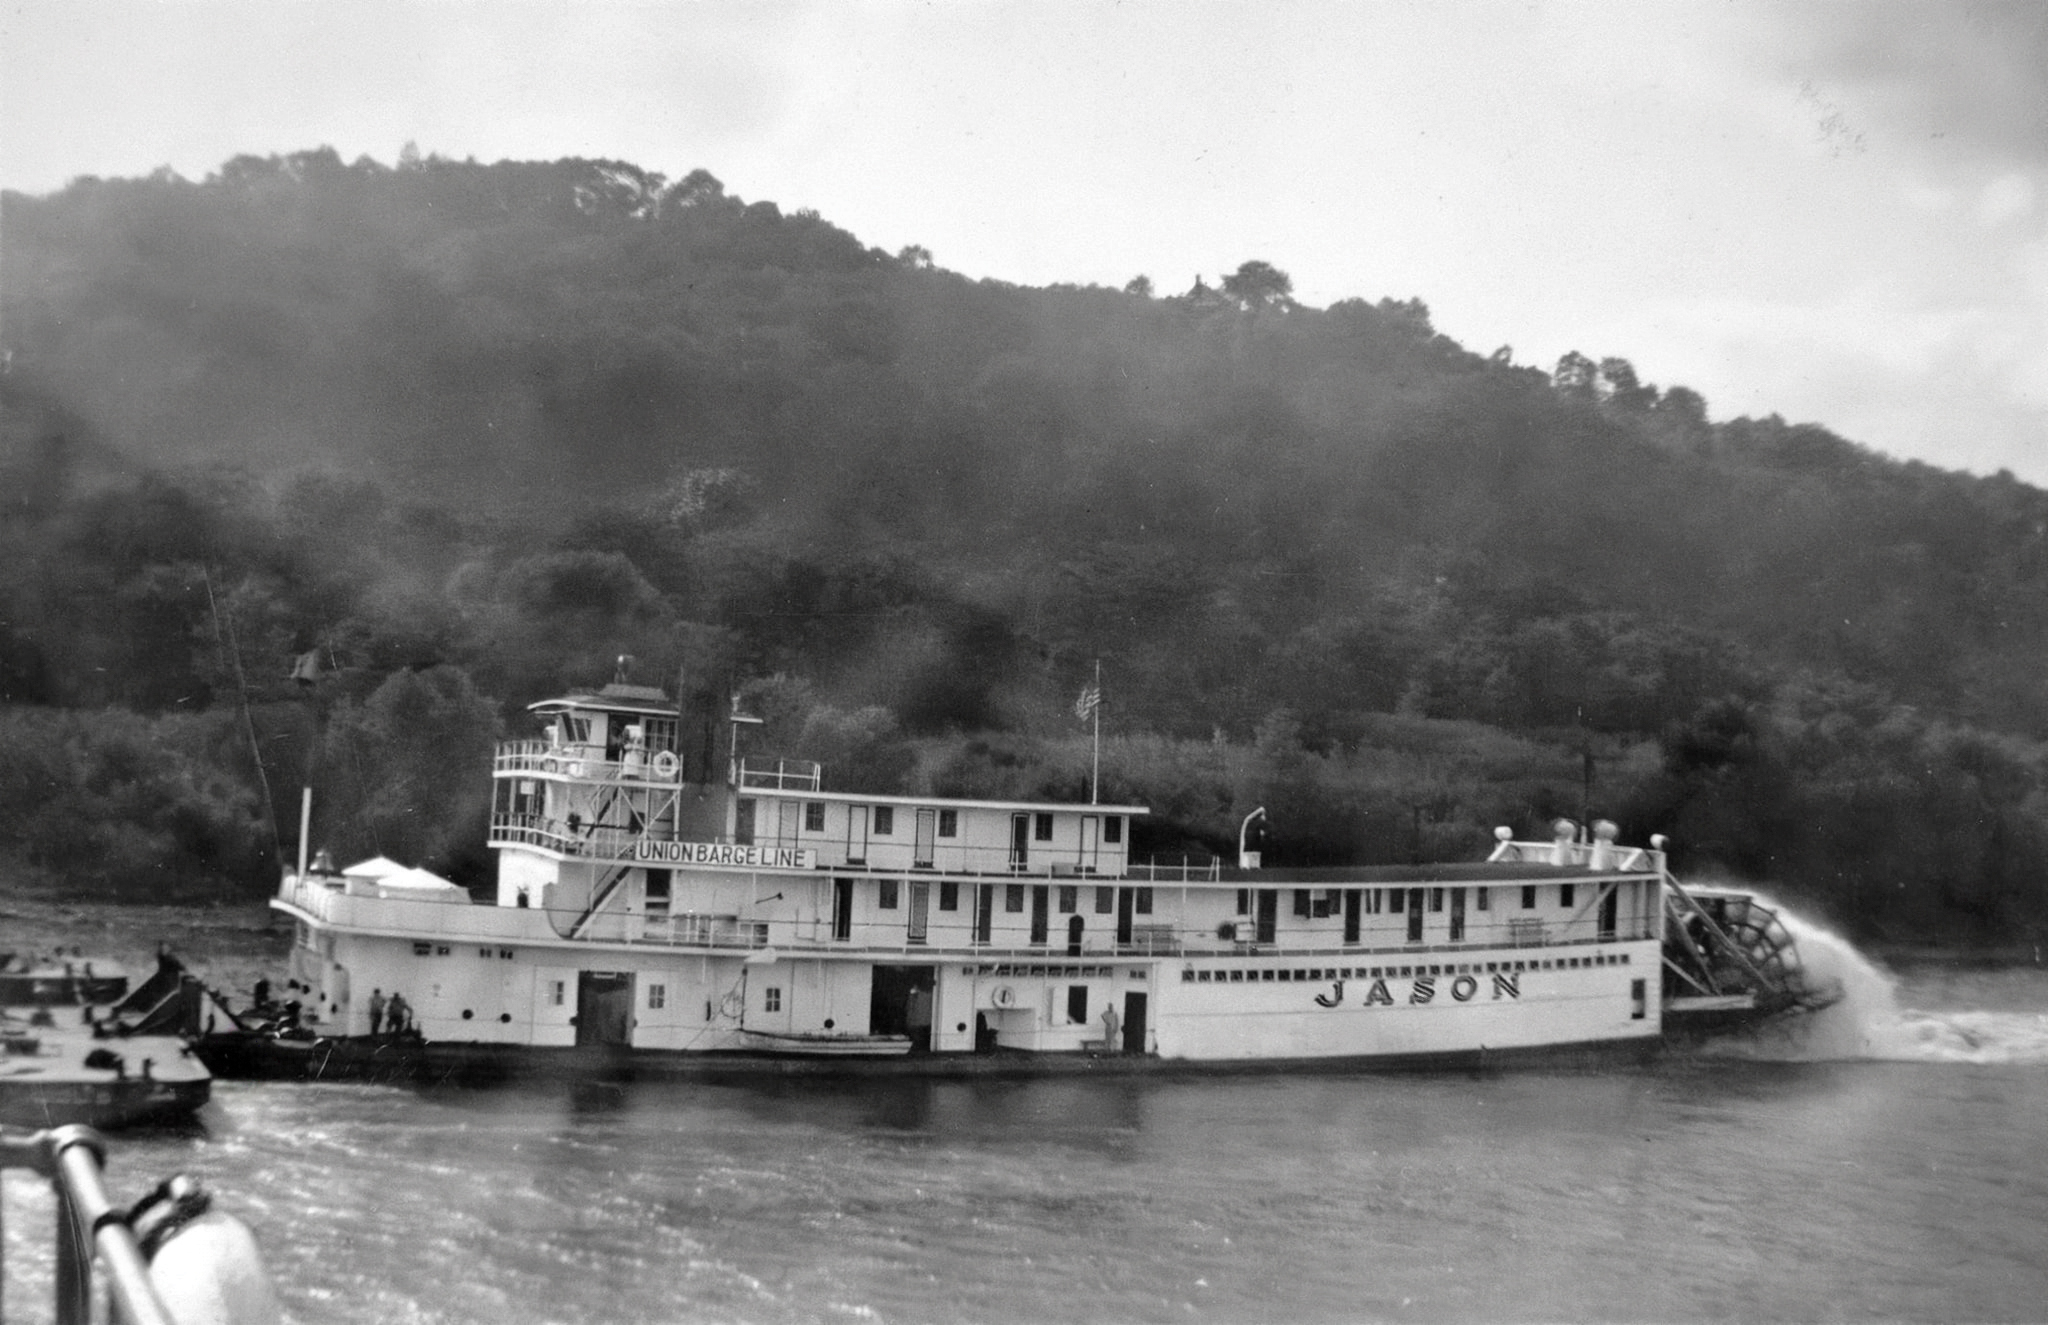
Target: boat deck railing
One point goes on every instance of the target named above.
(946, 931)
(90, 1231)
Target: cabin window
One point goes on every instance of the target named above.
(658, 892)
(949, 823)
(949, 897)
(657, 996)
(1397, 900)
(1564, 894)
(1244, 902)
(1113, 829)
(814, 817)
(885, 894)
(1638, 999)
(1013, 897)
(1070, 899)
(771, 999)
(1105, 901)
(558, 991)
(1142, 902)
(1324, 906)
(1041, 827)
(1528, 897)
(885, 820)
(1436, 899)
(1482, 898)
(1301, 901)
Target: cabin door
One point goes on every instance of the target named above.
(1040, 900)
(1020, 841)
(1267, 923)
(1610, 911)
(1091, 842)
(920, 908)
(1134, 1023)
(842, 909)
(926, 848)
(856, 834)
(554, 1005)
(1123, 914)
(1075, 926)
(604, 1007)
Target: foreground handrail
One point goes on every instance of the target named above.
(89, 1227)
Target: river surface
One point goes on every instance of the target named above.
(1885, 1160)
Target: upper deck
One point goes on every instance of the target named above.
(609, 782)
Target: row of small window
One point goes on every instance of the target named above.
(888, 896)
(1322, 903)
(420, 948)
(1258, 974)
(1058, 972)
(883, 823)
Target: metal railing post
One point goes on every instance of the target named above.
(87, 1225)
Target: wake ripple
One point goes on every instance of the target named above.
(1867, 1022)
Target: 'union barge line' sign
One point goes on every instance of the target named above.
(726, 853)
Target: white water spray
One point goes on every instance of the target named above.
(1867, 1021)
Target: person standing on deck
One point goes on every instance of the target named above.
(917, 1017)
(1112, 1031)
(376, 1011)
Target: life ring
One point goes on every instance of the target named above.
(1002, 996)
(666, 764)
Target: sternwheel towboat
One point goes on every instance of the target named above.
(706, 913)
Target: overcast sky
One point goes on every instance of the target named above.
(1836, 212)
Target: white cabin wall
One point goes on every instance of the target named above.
(524, 869)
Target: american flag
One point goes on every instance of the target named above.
(1090, 700)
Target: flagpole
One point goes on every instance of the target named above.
(1095, 775)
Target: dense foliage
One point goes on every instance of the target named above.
(460, 434)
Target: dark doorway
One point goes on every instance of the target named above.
(1268, 923)
(1040, 904)
(900, 1003)
(842, 909)
(604, 1007)
(1074, 927)
(1123, 915)
(1134, 1023)
(1353, 904)
(1610, 912)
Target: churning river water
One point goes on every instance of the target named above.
(1884, 1160)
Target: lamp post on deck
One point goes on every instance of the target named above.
(1247, 859)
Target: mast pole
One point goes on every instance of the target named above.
(1095, 772)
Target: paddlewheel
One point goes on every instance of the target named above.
(1729, 957)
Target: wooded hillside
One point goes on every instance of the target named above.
(468, 432)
